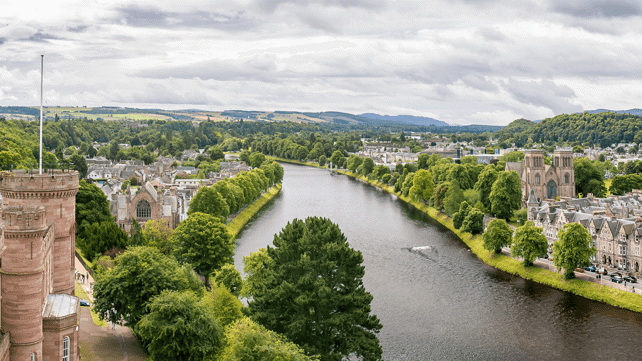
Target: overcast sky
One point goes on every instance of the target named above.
(460, 61)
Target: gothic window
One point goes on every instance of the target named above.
(143, 209)
(567, 179)
(551, 189)
(557, 161)
(65, 349)
(33, 357)
(537, 179)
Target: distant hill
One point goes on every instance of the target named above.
(517, 126)
(635, 111)
(408, 119)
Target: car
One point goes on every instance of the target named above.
(590, 268)
(616, 279)
(630, 279)
(85, 303)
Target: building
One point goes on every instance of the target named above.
(39, 314)
(146, 203)
(547, 181)
(615, 224)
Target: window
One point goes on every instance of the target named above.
(637, 251)
(32, 357)
(567, 179)
(65, 349)
(622, 250)
(537, 179)
(143, 209)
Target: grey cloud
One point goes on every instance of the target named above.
(41, 37)
(3, 40)
(261, 69)
(149, 17)
(77, 29)
(271, 5)
(491, 34)
(598, 8)
(161, 94)
(543, 93)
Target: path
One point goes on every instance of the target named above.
(104, 343)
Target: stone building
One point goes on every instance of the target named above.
(547, 181)
(39, 314)
(144, 204)
(615, 224)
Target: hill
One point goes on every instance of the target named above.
(408, 119)
(517, 126)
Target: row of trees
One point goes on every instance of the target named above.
(573, 247)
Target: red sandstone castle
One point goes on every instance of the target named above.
(39, 313)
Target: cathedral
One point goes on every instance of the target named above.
(546, 181)
(39, 314)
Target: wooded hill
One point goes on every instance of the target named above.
(603, 129)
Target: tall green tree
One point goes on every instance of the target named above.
(247, 340)
(572, 249)
(207, 200)
(158, 234)
(460, 216)
(314, 294)
(484, 184)
(585, 173)
(203, 242)
(423, 187)
(179, 326)
(506, 194)
(367, 166)
(80, 165)
(529, 243)
(101, 237)
(474, 222)
(140, 274)
(92, 206)
(256, 159)
(229, 277)
(454, 197)
(497, 235)
(337, 159)
(353, 163)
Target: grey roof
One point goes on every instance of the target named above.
(60, 305)
(516, 166)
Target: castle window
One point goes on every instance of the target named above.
(567, 178)
(32, 357)
(65, 349)
(537, 179)
(143, 209)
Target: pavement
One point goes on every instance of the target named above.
(105, 343)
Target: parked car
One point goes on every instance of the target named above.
(590, 268)
(617, 279)
(85, 303)
(630, 279)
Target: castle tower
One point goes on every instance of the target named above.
(27, 277)
(56, 192)
(563, 162)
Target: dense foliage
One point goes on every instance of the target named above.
(529, 243)
(573, 248)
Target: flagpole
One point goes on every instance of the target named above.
(42, 61)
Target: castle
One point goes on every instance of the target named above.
(39, 314)
(546, 181)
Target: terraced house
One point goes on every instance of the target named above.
(615, 223)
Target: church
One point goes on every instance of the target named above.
(39, 314)
(548, 181)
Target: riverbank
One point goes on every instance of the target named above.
(237, 223)
(513, 266)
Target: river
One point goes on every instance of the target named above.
(436, 300)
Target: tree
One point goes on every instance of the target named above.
(440, 195)
(179, 326)
(158, 234)
(216, 152)
(204, 242)
(572, 249)
(92, 206)
(256, 267)
(353, 162)
(454, 197)
(367, 166)
(207, 200)
(407, 184)
(229, 277)
(247, 340)
(226, 307)
(474, 222)
(322, 160)
(140, 274)
(423, 188)
(529, 243)
(313, 292)
(460, 216)
(506, 194)
(521, 216)
(497, 235)
(113, 151)
(484, 184)
(137, 238)
(256, 159)
(80, 165)
(585, 171)
(101, 237)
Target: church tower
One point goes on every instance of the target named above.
(563, 161)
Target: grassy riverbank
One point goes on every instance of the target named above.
(585, 289)
(238, 222)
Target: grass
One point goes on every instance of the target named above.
(80, 292)
(238, 222)
(593, 291)
(607, 184)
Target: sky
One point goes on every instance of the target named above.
(459, 61)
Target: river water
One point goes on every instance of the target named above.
(436, 300)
